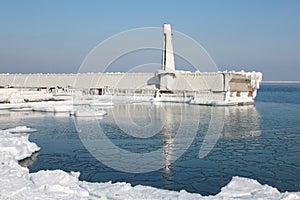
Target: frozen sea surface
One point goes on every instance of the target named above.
(260, 142)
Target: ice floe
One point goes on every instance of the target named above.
(86, 108)
(17, 183)
(20, 109)
(21, 129)
(84, 112)
(54, 107)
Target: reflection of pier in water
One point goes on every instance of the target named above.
(238, 122)
(147, 120)
(242, 121)
(160, 122)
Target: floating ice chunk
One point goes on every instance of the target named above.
(89, 113)
(21, 129)
(20, 109)
(53, 108)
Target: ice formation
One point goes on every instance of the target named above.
(17, 145)
(17, 183)
(21, 129)
(89, 113)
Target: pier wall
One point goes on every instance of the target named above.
(88, 80)
(182, 81)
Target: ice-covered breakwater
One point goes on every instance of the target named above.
(219, 88)
(165, 84)
(17, 183)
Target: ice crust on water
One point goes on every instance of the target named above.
(17, 183)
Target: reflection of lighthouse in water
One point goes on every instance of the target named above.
(168, 133)
(177, 125)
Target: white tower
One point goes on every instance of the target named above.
(167, 75)
(168, 54)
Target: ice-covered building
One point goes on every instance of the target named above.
(166, 84)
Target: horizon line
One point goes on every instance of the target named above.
(280, 82)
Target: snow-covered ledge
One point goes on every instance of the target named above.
(17, 183)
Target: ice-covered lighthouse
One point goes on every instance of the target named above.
(166, 84)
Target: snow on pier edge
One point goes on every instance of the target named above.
(17, 183)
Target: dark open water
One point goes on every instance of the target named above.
(261, 142)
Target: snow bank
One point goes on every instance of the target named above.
(17, 183)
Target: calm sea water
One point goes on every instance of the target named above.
(261, 142)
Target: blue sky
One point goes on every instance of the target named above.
(56, 35)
